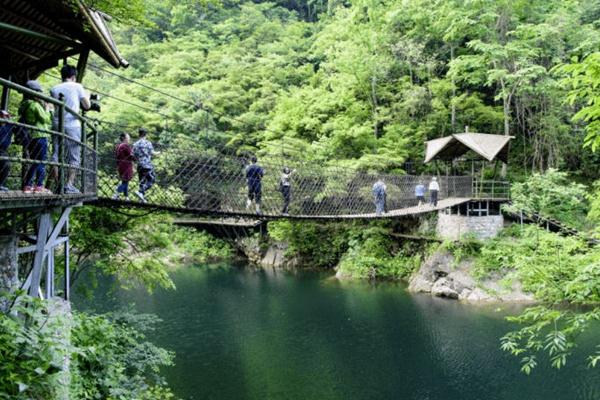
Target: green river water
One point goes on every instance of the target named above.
(246, 334)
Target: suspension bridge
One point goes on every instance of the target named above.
(198, 182)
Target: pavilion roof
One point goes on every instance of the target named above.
(489, 147)
(35, 35)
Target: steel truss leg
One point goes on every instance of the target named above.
(47, 239)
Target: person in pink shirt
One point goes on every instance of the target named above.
(125, 158)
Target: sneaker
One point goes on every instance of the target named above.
(41, 189)
(70, 189)
(140, 196)
(285, 214)
(115, 196)
(28, 189)
(126, 198)
(248, 204)
(3, 189)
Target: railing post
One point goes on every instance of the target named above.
(83, 155)
(61, 145)
(95, 161)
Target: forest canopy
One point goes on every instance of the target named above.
(363, 83)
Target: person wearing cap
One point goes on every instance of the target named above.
(75, 97)
(434, 188)
(6, 133)
(34, 112)
(143, 152)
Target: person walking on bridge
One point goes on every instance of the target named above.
(420, 193)
(285, 189)
(379, 194)
(125, 158)
(434, 188)
(143, 152)
(254, 175)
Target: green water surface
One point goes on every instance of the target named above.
(246, 334)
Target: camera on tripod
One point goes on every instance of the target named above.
(94, 102)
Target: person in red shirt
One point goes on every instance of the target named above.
(125, 158)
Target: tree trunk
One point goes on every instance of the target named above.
(374, 106)
(452, 105)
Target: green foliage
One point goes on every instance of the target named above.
(108, 355)
(319, 245)
(584, 83)
(367, 83)
(31, 350)
(138, 248)
(552, 194)
(112, 360)
(556, 270)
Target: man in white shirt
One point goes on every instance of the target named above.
(73, 95)
(434, 188)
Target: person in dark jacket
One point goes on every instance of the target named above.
(6, 133)
(125, 158)
(254, 175)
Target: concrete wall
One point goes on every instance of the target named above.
(453, 227)
(8, 266)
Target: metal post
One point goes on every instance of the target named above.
(50, 273)
(42, 235)
(5, 97)
(83, 155)
(61, 145)
(67, 293)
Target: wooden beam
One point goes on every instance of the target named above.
(37, 35)
(82, 63)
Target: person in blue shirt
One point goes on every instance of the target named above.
(420, 193)
(379, 194)
(254, 175)
(143, 152)
(6, 133)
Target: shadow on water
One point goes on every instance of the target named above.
(253, 334)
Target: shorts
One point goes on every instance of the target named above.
(255, 192)
(72, 149)
(421, 198)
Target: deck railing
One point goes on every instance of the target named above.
(491, 189)
(62, 151)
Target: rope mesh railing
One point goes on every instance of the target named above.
(204, 182)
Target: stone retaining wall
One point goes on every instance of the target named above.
(454, 227)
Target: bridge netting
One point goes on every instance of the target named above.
(208, 181)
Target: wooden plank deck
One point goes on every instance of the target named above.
(16, 199)
(408, 211)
